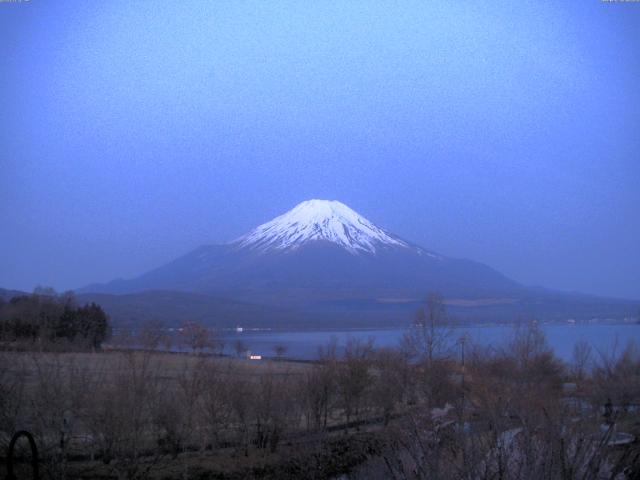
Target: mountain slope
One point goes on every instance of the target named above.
(324, 264)
(172, 308)
(318, 251)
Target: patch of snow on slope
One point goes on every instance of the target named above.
(327, 220)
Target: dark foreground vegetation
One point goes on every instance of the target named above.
(45, 319)
(419, 411)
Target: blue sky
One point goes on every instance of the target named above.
(504, 132)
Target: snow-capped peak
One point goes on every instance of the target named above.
(327, 220)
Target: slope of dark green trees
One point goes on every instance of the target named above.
(45, 316)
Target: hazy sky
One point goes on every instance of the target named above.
(503, 131)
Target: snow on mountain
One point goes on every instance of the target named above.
(313, 220)
(365, 275)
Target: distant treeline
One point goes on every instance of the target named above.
(45, 316)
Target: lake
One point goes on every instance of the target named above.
(605, 338)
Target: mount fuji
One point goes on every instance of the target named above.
(322, 259)
(319, 249)
(320, 220)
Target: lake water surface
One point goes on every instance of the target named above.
(605, 338)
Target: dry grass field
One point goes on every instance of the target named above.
(134, 414)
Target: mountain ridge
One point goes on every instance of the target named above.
(323, 258)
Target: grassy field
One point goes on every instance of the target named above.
(217, 414)
(132, 414)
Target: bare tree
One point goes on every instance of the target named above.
(354, 378)
(60, 392)
(177, 415)
(428, 337)
(216, 410)
(275, 409)
(528, 341)
(317, 393)
(121, 417)
(391, 381)
(616, 376)
(581, 359)
(151, 335)
(196, 337)
(240, 397)
(319, 387)
(280, 349)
